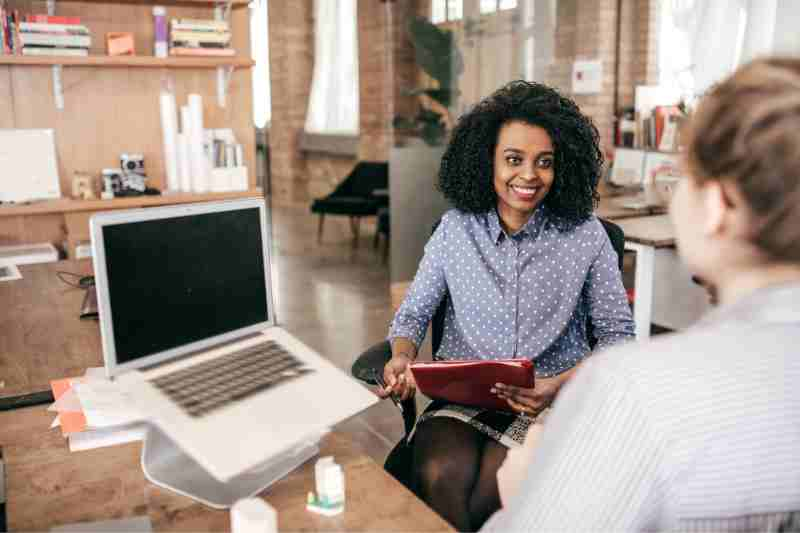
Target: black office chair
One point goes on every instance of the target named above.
(371, 362)
(354, 197)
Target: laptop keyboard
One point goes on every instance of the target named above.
(205, 387)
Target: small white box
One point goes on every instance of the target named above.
(28, 254)
(224, 179)
(83, 250)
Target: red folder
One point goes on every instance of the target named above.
(470, 382)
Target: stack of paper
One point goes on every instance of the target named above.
(93, 412)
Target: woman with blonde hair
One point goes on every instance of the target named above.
(698, 430)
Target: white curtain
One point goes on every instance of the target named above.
(333, 104)
(703, 41)
(259, 45)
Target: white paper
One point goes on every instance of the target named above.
(105, 404)
(30, 153)
(96, 372)
(197, 152)
(587, 77)
(98, 438)
(169, 131)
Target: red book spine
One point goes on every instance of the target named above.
(52, 19)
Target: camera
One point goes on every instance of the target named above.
(132, 164)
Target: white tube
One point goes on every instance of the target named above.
(199, 163)
(185, 162)
(169, 131)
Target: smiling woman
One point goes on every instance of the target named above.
(526, 266)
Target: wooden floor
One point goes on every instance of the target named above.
(335, 298)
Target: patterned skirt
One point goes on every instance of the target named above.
(507, 428)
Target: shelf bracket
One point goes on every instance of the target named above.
(224, 75)
(58, 85)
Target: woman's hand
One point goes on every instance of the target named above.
(530, 401)
(398, 378)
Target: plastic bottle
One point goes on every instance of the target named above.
(161, 44)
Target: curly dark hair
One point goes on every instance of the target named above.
(466, 174)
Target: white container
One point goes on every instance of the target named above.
(329, 480)
(253, 515)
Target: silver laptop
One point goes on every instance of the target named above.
(188, 328)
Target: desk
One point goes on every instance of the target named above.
(47, 485)
(41, 337)
(613, 208)
(675, 301)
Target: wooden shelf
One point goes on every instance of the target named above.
(129, 61)
(65, 205)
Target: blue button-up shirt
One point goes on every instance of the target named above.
(525, 295)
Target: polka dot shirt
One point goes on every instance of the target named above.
(528, 295)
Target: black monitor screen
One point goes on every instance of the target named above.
(179, 280)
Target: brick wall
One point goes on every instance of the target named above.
(386, 66)
(585, 29)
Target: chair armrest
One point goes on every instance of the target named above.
(372, 360)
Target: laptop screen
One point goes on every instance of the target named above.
(174, 281)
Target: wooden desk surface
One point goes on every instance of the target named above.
(613, 208)
(41, 335)
(41, 338)
(656, 231)
(47, 485)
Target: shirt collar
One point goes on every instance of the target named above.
(531, 227)
(772, 304)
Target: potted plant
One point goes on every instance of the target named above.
(437, 54)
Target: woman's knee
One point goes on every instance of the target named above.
(446, 456)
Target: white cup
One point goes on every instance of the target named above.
(253, 515)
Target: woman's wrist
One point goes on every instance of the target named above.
(402, 347)
(404, 354)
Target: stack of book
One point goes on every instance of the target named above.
(196, 37)
(46, 35)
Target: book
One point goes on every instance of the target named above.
(74, 41)
(200, 52)
(216, 37)
(54, 51)
(200, 24)
(59, 29)
(470, 382)
(52, 19)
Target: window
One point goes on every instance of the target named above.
(700, 43)
(446, 10)
(259, 45)
(333, 103)
(491, 6)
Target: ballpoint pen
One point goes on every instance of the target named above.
(379, 380)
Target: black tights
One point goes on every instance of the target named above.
(455, 471)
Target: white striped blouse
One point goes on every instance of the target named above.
(692, 431)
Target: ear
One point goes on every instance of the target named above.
(717, 208)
